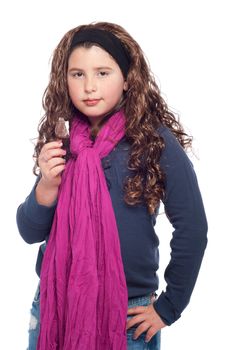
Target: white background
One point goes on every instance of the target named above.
(188, 44)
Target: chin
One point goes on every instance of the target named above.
(92, 112)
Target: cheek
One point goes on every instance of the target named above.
(73, 90)
(113, 90)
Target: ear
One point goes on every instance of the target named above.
(125, 86)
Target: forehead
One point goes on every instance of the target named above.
(93, 54)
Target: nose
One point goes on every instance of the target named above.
(90, 84)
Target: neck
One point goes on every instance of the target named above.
(96, 126)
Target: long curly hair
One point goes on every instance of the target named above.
(144, 108)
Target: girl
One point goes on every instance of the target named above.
(96, 200)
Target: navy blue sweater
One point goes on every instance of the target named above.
(139, 242)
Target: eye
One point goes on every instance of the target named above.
(103, 73)
(78, 74)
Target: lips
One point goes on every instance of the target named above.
(91, 102)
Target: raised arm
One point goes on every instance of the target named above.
(35, 215)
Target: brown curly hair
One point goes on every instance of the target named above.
(144, 108)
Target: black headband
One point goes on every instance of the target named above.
(108, 41)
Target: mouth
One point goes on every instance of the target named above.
(91, 102)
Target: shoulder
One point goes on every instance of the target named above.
(170, 141)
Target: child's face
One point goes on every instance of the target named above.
(95, 82)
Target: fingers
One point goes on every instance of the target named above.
(136, 310)
(52, 144)
(143, 327)
(135, 320)
(147, 319)
(56, 166)
(51, 162)
(55, 173)
(150, 333)
(51, 150)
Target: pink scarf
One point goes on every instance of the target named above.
(84, 297)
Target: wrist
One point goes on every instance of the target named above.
(46, 194)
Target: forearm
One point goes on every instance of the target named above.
(33, 219)
(181, 275)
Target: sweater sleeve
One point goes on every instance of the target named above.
(185, 211)
(34, 221)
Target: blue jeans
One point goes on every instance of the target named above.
(138, 344)
(34, 321)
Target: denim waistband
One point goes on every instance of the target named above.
(141, 299)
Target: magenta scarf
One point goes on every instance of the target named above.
(83, 290)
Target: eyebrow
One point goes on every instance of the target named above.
(96, 68)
